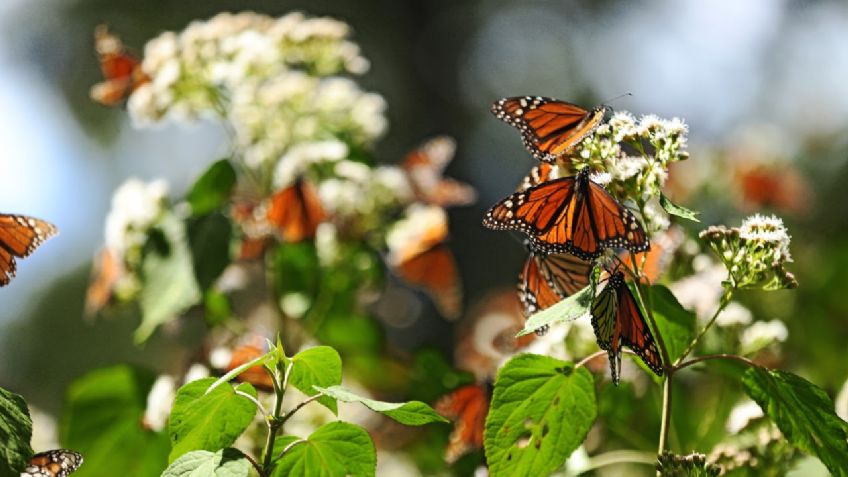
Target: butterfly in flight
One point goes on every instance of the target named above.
(295, 211)
(467, 406)
(19, 237)
(121, 70)
(618, 322)
(54, 463)
(425, 261)
(569, 215)
(549, 127)
(425, 167)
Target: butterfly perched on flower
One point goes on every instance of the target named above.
(467, 406)
(420, 256)
(569, 215)
(549, 127)
(618, 321)
(53, 463)
(121, 70)
(296, 211)
(545, 279)
(425, 167)
(20, 235)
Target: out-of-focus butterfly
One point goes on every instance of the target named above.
(618, 322)
(296, 211)
(19, 237)
(569, 215)
(655, 262)
(549, 127)
(425, 167)
(122, 71)
(255, 375)
(467, 406)
(53, 463)
(425, 261)
(106, 273)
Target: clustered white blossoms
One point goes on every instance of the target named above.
(136, 206)
(631, 157)
(276, 81)
(755, 253)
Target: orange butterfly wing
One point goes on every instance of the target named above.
(296, 211)
(569, 215)
(19, 237)
(634, 330)
(425, 167)
(467, 407)
(549, 127)
(435, 271)
(255, 375)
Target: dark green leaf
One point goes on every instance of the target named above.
(803, 412)
(678, 210)
(412, 413)
(15, 433)
(213, 188)
(169, 284)
(542, 408)
(212, 421)
(224, 463)
(569, 309)
(676, 324)
(318, 366)
(209, 239)
(103, 421)
(337, 448)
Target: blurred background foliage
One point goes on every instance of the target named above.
(760, 83)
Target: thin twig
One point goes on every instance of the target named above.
(706, 357)
(725, 300)
(253, 462)
(620, 457)
(288, 448)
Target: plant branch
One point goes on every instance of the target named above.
(725, 300)
(253, 463)
(707, 357)
(275, 421)
(254, 401)
(299, 406)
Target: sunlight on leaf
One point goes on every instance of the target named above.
(542, 408)
(318, 366)
(412, 413)
(213, 421)
(337, 448)
(678, 210)
(224, 463)
(803, 412)
(569, 309)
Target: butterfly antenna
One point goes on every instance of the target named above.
(610, 100)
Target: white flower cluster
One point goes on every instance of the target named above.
(136, 206)
(637, 178)
(767, 233)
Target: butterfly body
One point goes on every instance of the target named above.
(549, 127)
(54, 463)
(618, 321)
(569, 215)
(20, 235)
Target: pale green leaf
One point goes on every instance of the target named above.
(412, 413)
(568, 309)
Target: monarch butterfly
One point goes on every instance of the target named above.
(296, 211)
(106, 273)
(424, 167)
(121, 70)
(546, 279)
(549, 127)
(618, 322)
(571, 215)
(433, 269)
(19, 237)
(467, 406)
(53, 463)
(255, 375)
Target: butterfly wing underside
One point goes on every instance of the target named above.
(20, 235)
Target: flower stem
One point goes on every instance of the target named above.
(725, 300)
(275, 421)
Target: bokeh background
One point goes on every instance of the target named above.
(761, 83)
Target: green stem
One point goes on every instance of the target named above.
(665, 424)
(619, 457)
(725, 300)
(275, 421)
(707, 357)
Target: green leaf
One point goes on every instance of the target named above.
(212, 189)
(224, 463)
(337, 448)
(217, 307)
(569, 309)
(803, 412)
(15, 433)
(297, 268)
(209, 239)
(678, 210)
(103, 421)
(318, 366)
(169, 284)
(542, 408)
(212, 421)
(676, 324)
(412, 413)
